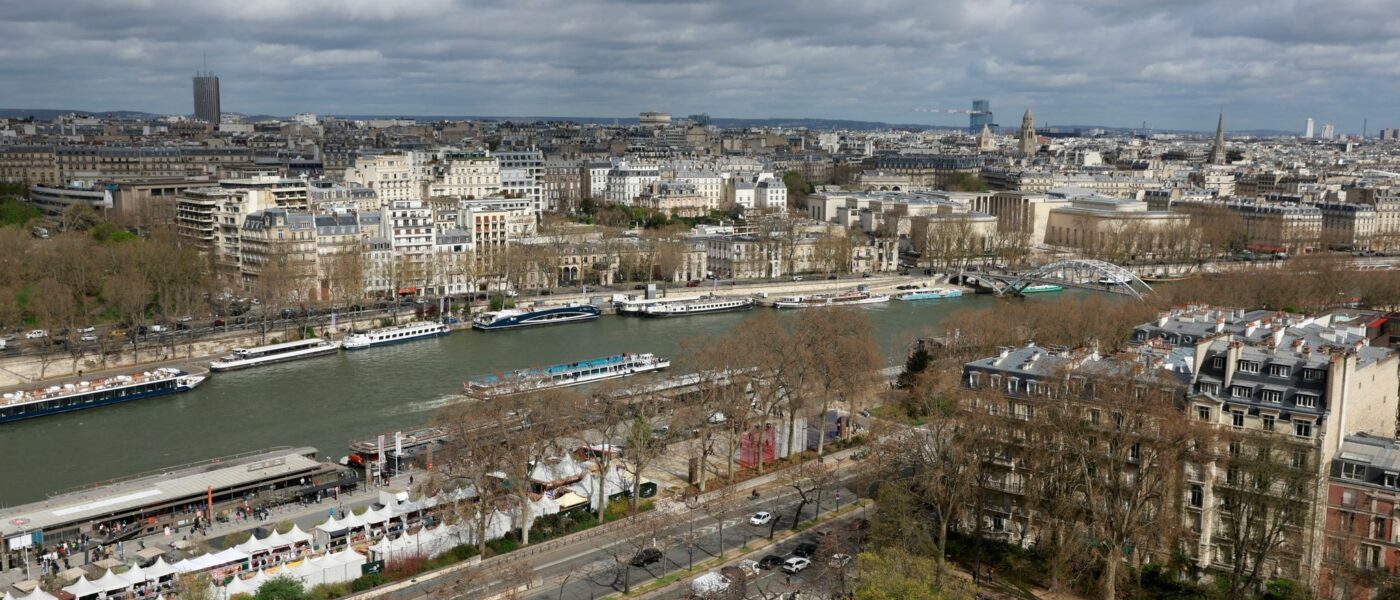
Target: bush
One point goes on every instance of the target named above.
(281, 588)
(403, 568)
(366, 582)
(328, 591)
(503, 545)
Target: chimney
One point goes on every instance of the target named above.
(1278, 335)
(1250, 327)
(1162, 318)
(1220, 324)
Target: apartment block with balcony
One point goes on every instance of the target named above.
(1362, 546)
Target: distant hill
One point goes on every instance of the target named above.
(48, 114)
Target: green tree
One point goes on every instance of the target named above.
(966, 182)
(281, 588)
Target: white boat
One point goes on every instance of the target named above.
(563, 375)
(850, 298)
(243, 358)
(81, 395)
(697, 306)
(935, 294)
(396, 334)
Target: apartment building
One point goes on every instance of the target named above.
(388, 174)
(1362, 544)
(467, 175)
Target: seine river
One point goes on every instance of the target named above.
(329, 401)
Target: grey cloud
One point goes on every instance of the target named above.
(1267, 63)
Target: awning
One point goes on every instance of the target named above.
(72, 574)
(149, 553)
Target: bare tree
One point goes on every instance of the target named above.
(464, 469)
(1265, 501)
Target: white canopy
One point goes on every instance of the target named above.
(331, 525)
(135, 576)
(253, 545)
(296, 535)
(209, 561)
(83, 587)
(159, 569)
(275, 541)
(37, 594)
(375, 517)
(352, 521)
(111, 582)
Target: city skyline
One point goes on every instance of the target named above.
(875, 61)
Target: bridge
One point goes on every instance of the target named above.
(1082, 273)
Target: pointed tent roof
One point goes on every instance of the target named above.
(110, 582)
(82, 587)
(352, 521)
(253, 545)
(38, 594)
(136, 575)
(330, 525)
(296, 535)
(276, 540)
(159, 569)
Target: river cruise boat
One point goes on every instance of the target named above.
(395, 334)
(931, 294)
(243, 358)
(822, 300)
(1041, 288)
(697, 306)
(515, 318)
(79, 395)
(563, 375)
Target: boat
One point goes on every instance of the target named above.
(396, 334)
(937, 294)
(243, 358)
(1041, 288)
(68, 397)
(822, 300)
(697, 306)
(563, 375)
(513, 318)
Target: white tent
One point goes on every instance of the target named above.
(82, 587)
(159, 569)
(209, 561)
(253, 545)
(275, 541)
(135, 576)
(375, 517)
(37, 594)
(296, 535)
(238, 586)
(111, 582)
(331, 525)
(352, 521)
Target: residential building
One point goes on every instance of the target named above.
(522, 176)
(387, 174)
(468, 175)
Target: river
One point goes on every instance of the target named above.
(326, 402)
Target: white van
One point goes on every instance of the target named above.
(709, 585)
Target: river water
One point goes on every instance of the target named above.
(329, 401)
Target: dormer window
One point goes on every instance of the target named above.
(1248, 366)
(1305, 400)
(1279, 371)
(1239, 391)
(1274, 396)
(1312, 374)
(1218, 362)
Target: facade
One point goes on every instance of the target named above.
(1097, 223)
(387, 174)
(1362, 546)
(1027, 143)
(674, 199)
(468, 175)
(562, 185)
(1020, 212)
(1348, 226)
(626, 183)
(54, 200)
(1268, 227)
(522, 176)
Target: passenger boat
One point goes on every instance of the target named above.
(68, 397)
(1041, 288)
(563, 375)
(515, 318)
(821, 300)
(697, 306)
(396, 334)
(931, 294)
(242, 358)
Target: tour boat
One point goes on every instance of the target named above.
(515, 318)
(1040, 288)
(243, 358)
(697, 306)
(396, 334)
(563, 375)
(937, 294)
(68, 397)
(821, 300)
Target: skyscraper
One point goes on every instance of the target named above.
(1308, 129)
(980, 116)
(1217, 150)
(1327, 131)
(206, 97)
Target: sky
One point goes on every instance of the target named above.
(1174, 64)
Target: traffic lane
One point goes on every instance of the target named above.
(599, 572)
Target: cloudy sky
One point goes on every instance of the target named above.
(1266, 63)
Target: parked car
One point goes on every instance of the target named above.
(831, 277)
(693, 283)
(796, 564)
(88, 338)
(771, 561)
(805, 550)
(797, 278)
(839, 560)
(181, 326)
(218, 323)
(647, 556)
(762, 517)
(88, 329)
(36, 334)
(158, 328)
(186, 319)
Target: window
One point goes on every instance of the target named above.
(1236, 419)
(1208, 388)
(1302, 429)
(1203, 413)
(1012, 384)
(1234, 447)
(1312, 374)
(1351, 470)
(1391, 479)
(1305, 400)
(1198, 496)
(1248, 366)
(1239, 391)
(1268, 421)
(1298, 459)
(974, 379)
(1274, 396)
(1279, 370)
(1218, 362)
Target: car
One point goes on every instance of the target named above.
(218, 323)
(693, 283)
(546, 292)
(88, 329)
(36, 334)
(181, 326)
(831, 277)
(839, 560)
(661, 430)
(762, 517)
(512, 293)
(159, 328)
(771, 561)
(797, 278)
(796, 564)
(647, 556)
(88, 337)
(805, 550)
(186, 319)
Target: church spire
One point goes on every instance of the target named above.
(1217, 150)
(1027, 145)
(985, 143)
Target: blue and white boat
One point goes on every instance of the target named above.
(395, 334)
(563, 375)
(513, 318)
(68, 397)
(935, 294)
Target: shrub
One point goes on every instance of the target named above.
(366, 582)
(328, 591)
